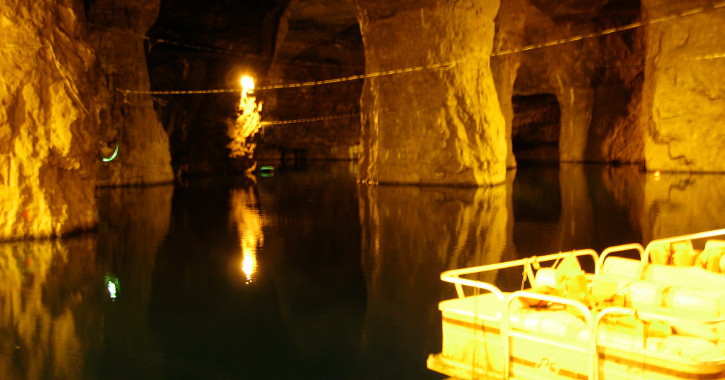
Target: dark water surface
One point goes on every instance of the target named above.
(305, 274)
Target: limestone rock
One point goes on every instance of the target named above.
(47, 126)
(596, 80)
(317, 39)
(128, 122)
(509, 35)
(684, 95)
(211, 44)
(439, 126)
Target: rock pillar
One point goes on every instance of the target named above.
(47, 126)
(509, 35)
(127, 122)
(437, 126)
(683, 91)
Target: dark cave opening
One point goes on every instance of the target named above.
(536, 127)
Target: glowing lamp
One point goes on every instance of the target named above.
(247, 83)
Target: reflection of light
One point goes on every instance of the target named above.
(657, 175)
(112, 285)
(249, 264)
(266, 171)
(115, 153)
(249, 225)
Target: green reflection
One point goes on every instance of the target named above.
(113, 285)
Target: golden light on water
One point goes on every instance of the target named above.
(249, 264)
(249, 226)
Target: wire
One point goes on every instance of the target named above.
(297, 121)
(450, 64)
(442, 66)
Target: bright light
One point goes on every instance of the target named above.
(657, 175)
(247, 83)
(112, 290)
(113, 286)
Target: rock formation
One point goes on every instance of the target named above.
(126, 122)
(48, 147)
(437, 126)
(317, 39)
(683, 95)
(509, 35)
(202, 46)
(596, 80)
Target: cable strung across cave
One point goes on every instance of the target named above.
(450, 64)
(442, 66)
(311, 119)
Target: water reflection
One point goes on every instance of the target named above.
(677, 203)
(410, 235)
(246, 215)
(46, 296)
(333, 280)
(59, 318)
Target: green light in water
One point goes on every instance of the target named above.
(115, 153)
(113, 285)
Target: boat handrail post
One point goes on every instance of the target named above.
(459, 282)
(505, 328)
(619, 248)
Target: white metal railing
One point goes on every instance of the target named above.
(592, 319)
(618, 248)
(454, 276)
(583, 309)
(675, 239)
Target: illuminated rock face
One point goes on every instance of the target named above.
(509, 35)
(128, 122)
(684, 94)
(441, 126)
(47, 123)
(596, 81)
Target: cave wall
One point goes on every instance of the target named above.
(509, 34)
(316, 39)
(597, 81)
(683, 94)
(47, 123)
(210, 45)
(129, 122)
(431, 126)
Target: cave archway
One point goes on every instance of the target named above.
(536, 127)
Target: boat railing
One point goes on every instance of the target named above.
(529, 264)
(617, 249)
(671, 240)
(506, 333)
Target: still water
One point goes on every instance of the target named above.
(303, 274)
